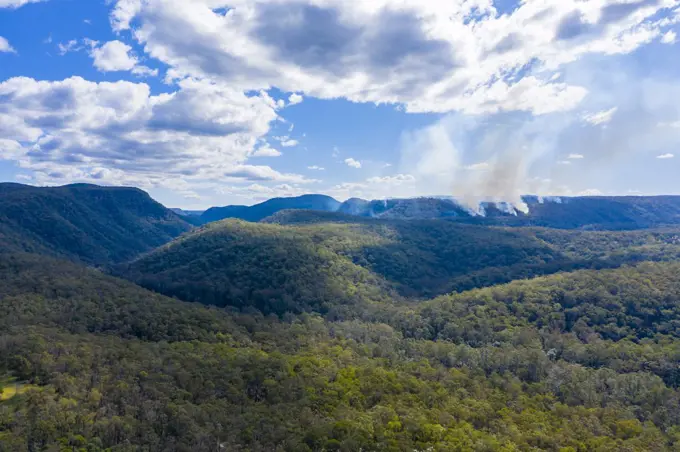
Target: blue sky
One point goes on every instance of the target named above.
(215, 102)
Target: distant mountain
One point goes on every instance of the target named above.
(416, 208)
(188, 213)
(96, 225)
(259, 211)
(599, 213)
(596, 213)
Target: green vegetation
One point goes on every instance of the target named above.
(313, 265)
(450, 375)
(319, 332)
(96, 225)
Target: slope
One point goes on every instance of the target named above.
(272, 268)
(270, 207)
(343, 268)
(425, 258)
(97, 225)
(136, 371)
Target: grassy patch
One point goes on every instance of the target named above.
(10, 389)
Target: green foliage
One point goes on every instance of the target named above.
(329, 267)
(110, 366)
(579, 361)
(270, 268)
(96, 225)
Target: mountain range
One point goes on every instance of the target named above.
(97, 225)
(606, 213)
(390, 327)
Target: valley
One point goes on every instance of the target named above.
(132, 329)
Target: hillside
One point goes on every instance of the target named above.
(576, 360)
(271, 268)
(493, 369)
(322, 266)
(97, 225)
(270, 207)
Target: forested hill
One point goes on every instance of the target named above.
(326, 267)
(587, 213)
(319, 331)
(584, 361)
(270, 207)
(97, 225)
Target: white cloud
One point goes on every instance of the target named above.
(286, 141)
(289, 143)
(665, 156)
(115, 56)
(669, 38)
(601, 117)
(266, 151)
(429, 55)
(118, 133)
(295, 99)
(316, 168)
(576, 156)
(353, 163)
(143, 71)
(16, 3)
(672, 125)
(5, 46)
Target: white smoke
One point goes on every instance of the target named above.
(499, 158)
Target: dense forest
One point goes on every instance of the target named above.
(313, 265)
(323, 332)
(96, 225)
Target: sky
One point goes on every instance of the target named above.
(216, 102)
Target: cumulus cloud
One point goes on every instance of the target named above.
(5, 46)
(117, 56)
(267, 151)
(119, 133)
(576, 156)
(665, 156)
(113, 56)
(429, 55)
(353, 163)
(295, 99)
(316, 168)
